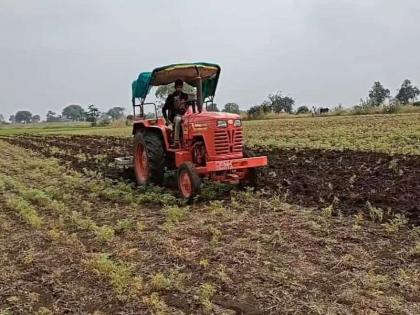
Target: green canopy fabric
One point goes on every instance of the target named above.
(187, 72)
(141, 86)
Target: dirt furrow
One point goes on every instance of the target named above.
(348, 181)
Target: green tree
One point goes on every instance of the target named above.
(52, 116)
(23, 116)
(212, 107)
(12, 119)
(36, 119)
(1, 118)
(74, 112)
(254, 112)
(302, 110)
(116, 113)
(103, 119)
(378, 94)
(407, 92)
(280, 103)
(232, 108)
(163, 91)
(92, 114)
(266, 107)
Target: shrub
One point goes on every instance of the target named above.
(119, 123)
(104, 122)
(302, 110)
(391, 108)
(254, 112)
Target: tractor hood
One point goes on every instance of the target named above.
(205, 116)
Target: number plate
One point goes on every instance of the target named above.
(223, 165)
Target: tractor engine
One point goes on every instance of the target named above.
(228, 140)
(219, 137)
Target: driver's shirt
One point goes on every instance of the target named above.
(170, 105)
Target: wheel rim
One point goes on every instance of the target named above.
(185, 184)
(141, 163)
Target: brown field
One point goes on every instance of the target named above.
(348, 180)
(333, 227)
(327, 232)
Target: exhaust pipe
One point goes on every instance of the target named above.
(199, 91)
(199, 95)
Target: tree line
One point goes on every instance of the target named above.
(279, 103)
(378, 94)
(406, 94)
(70, 113)
(274, 103)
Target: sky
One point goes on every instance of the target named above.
(320, 52)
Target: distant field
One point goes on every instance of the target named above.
(63, 128)
(399, 133)
(54, 127)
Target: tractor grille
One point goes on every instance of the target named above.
(228, 141)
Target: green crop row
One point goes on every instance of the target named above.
(396, 133)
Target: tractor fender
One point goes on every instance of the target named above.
(155, 129)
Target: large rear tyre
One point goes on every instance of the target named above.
(189, 183)
(149, 158)
(251, 177)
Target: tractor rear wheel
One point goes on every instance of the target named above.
(189, 183)
(149, 158)
(251, 178)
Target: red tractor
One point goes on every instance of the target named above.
(212, 143)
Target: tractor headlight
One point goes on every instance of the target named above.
(237, 123)
(222, 123)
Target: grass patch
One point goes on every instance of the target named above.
(25, 209)
(119, 274)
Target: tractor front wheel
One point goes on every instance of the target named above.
(149, 158)
(251, 176)
(189, 183)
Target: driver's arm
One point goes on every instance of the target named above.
(165, 107)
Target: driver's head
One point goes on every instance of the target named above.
(178, 85)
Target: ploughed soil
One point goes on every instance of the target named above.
(349, 181)
(103, 248)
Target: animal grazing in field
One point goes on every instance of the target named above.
(319, 111)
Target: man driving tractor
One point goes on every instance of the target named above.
(175, 107)
(212, 143)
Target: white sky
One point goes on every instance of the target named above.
(321, 52)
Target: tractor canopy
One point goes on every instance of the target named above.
(188, 72)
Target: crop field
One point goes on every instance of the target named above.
(332, 229)
(380, 133)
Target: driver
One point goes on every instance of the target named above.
(176, 105)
